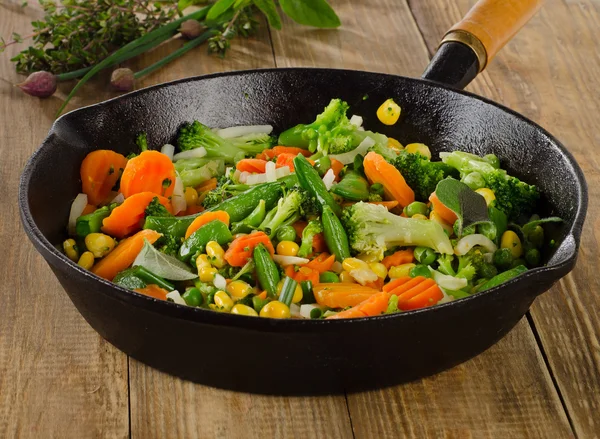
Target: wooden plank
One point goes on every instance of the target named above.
(58, 378)
(550, 73)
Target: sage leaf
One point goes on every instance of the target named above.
(468, 205)
(218, 9)
(268, 8)
(315, 13)
(163, 265)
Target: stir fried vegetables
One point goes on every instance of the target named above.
(333, 222)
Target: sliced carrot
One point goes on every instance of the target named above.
(299, 228)
(351, 313)
(446, 214)
(153, 290)
(89, 208)
(337, 295)
(251, 165)
(124, 254)
(429, 297)
(208, 185)
(407, 286)
(322, 263)
(378, 170)
(398, 258)
(205, 218)
(191, 210)
(290, 271)
(336, 167)
(286, 160)
(305, 273)
(376, 284)
(396, 283)
(262, 295)
(319, 244)
(100, 171)
(242, 248)
(128, 216)
(373, 306)
(151, 171)
(276, 151)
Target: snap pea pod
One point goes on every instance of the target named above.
(140, 277)
(502, 277)
(252, 221)
(335, 235)
(309, 179)
(92, 222)
(266, 270)
(212, 231)
(353, 187)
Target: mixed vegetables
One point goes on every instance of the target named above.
(328, 220)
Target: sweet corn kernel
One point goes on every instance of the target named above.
(215, 254)
(434, 216)
(239, 289)
(287, 248)
(487, 194)
(367, 257)
(350, 264)
(222, 302)
(70, 249)
(419, 216)
(421, 148)
(275, 310)
(99, 244)
(346, 278)
(86, 260)
(191, 196)
(511, 241)
(394, 144)
(379, 269)
(400, 270)
(389, 112)
(243, 310)
(207, 274)
(202, 262)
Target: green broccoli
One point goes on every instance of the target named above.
(287, 207)
(469, 266)
(168, 245)
(330, 133)
(156, 209)
(225, 189)
(372, 229)
(514, 197)
(421, 174)
(196, 176)
(196, 135)
(312, 228)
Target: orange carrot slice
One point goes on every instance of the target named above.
(124, 254)
(153, 291)
(322, 263)
(285, 160)
(100, 171)
(151, 171)
(446, 214)
(378, 170)
(205, 218)
(398, 258)
(89, 208)
(127, 217)
(373, 306)
(306, 273)
(337, 295)
(208, 185)
(242, 248)
(251, 165)
(429, 297)
(271, 153)
(336, 167)
(396, 283)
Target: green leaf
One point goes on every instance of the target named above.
(315, 13)
(163, 265)
(468, 205)
(268, 8)
(218, 9)
(183, 4)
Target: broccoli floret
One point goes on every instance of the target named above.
(196, 135)
(330, 133)
(156, 209)
(226, 188)
(288, 206)
(309, 206)
(169, 245)
(514, 197)
(372, 229)
(466, 266)
(312, 228)
(445, 265)
(421, 174)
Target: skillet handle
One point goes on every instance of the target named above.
(470, 44)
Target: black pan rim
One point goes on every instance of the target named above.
(203, 316)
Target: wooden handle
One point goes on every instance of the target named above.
(493, 23)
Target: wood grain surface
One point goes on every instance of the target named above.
(58, 378)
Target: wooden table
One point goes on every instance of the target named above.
(58, 378)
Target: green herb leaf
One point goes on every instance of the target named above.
(268, 8)
(315, 13)
(218, 9)
(163, 265)
(183, 4)
(468, 205)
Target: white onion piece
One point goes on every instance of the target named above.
(337, 267)
(270, 172)
(305, 310)
(191, 154)
(169, 150)
(242, 176)
(178, 197)
(363, 276)
(290, 260)
(448, 282)
(77, 207)
(220, 282)
(176, 297)
(348, 157)
(295, 310)
(118, 199)
(284, 171)
(253, 179)
(488, 257)
(357, 121)
(228, 170)
(328, 179)
(228, 133)
(468, 242)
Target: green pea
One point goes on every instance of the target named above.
(533, 257)
(425, 255)
(536, 235)
(493, 160)
(193, 297)
(487, 271)
(322, 165)
(415, 208)
(420, 270)
(328, 277)
(286, 233)
(503, 258)
(474, 180)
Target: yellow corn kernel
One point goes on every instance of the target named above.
(99, 244)
(287, 248)
(297, 292)
(511, 241)
(202, 261)
(86, 260)
(70, 249)
(243, 310)
(222, 302)
(487, 194)
(345, 278)
(207, 274)
(215, 254)
(421, 148)
(419, 216)
(394, 144)
(389, 112)
(350, 264)
(191, 196)
(275, 310)
(379, 269)
(367, 257)
(239, 289)
(400, 270)
(434, 216)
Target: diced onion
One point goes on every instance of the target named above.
(488, 257)
(306, 309)
(77, 207)
(191, 154)
(295, 310)
(448, 282)
(468, 242)
(328, 179)
(290, 260)
(284, 171)
(228, 133)
(363, 276)
(270, 172)
(176, 297)
(348, 157)
(178, 198)
(220, 282)
(169, 150)
(357, 121)
(337, 267)
(228, 170)
(242, 176)
(118, 199)
(253, 179)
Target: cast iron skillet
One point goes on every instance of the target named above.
(307, 356)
